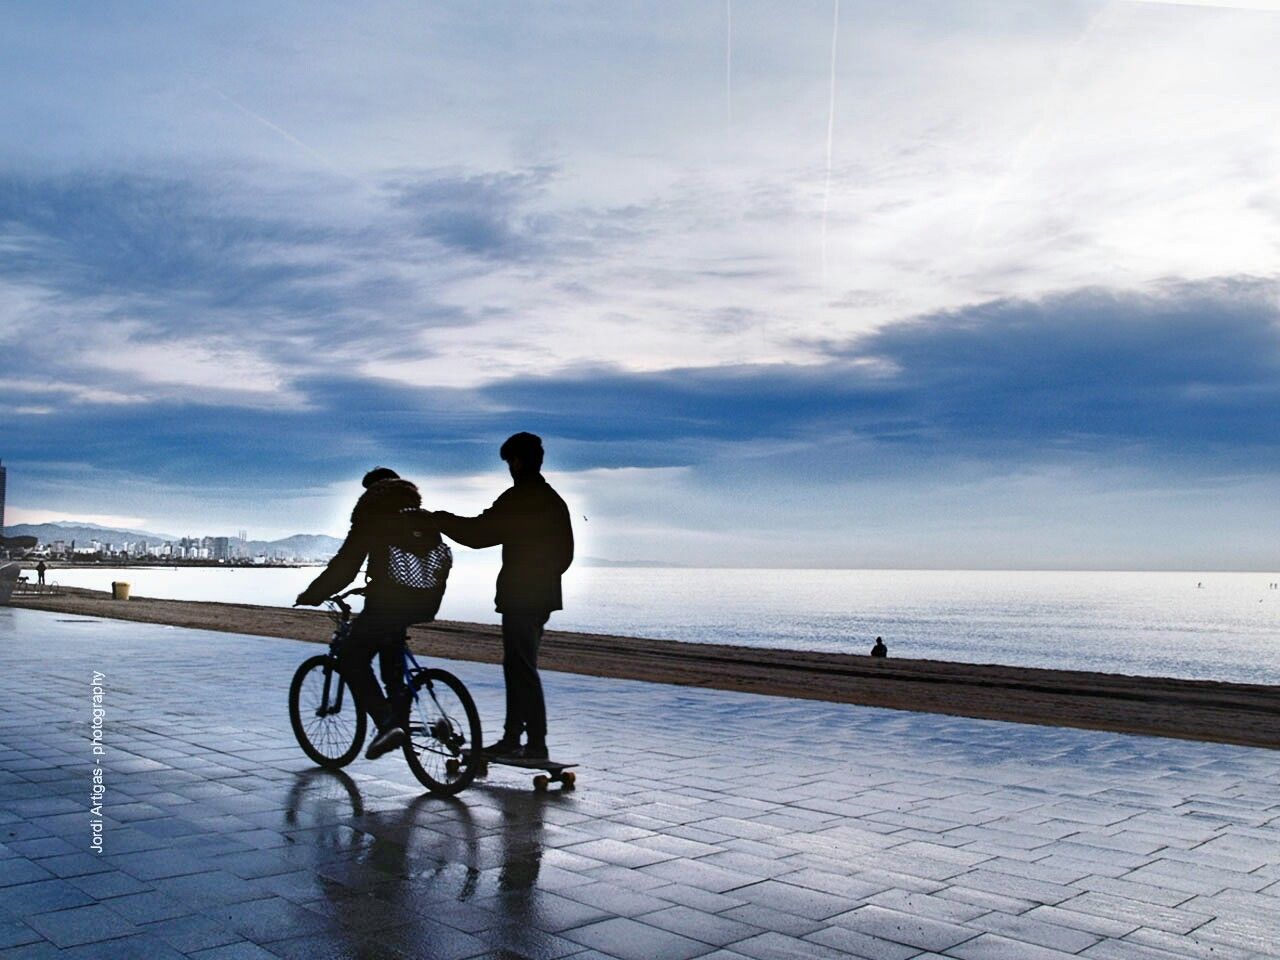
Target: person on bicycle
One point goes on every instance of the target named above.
(387, 514)
(531, 522)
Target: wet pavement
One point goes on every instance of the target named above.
(706, 824)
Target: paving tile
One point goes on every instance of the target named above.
(108, 885)
(1190, 945)
(244, 950)
(77, 925)
(988, 946)
(272, 919)
(695, 873)
(614, 899)
(779, 946)
(41, 897)
(632, 940)
(15, 933)
(619, 852)
(149, 906)
(423, 937)
(699, 925)
(20, 870)
(767, 918)
(1043, 932)
(518, 939)
(800, 901)
(927, 905)
(1102, 926)
(193, 932)
(915, 931)
(1142, 914)
(854, 944)
(125, 948)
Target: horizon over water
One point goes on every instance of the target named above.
(1152, 623)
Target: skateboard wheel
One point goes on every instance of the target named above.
(540, 783)
(568, 778)
(453, 766)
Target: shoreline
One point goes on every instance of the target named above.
(1207, 710)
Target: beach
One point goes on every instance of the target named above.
(1235, 713)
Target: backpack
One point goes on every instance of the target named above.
(418, 565)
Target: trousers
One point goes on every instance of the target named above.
(379, 634)
(526, 708)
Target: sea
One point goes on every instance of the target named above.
(1218, 626)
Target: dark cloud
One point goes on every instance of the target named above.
(485, 215)
(275, 273)
(1191, 371)
(500, 217)
(147, 236)
(1187, 381)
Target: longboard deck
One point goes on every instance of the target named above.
(551, 766)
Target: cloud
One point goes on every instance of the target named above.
(485, 215)
(1190, 370)
(152, 236)
(1188, 373)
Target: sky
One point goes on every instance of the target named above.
(941, 284)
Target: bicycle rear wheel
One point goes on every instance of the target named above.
(444, 732)
(328, 723)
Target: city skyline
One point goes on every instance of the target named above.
(959, 285)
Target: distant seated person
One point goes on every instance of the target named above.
(390, 530)
(879, 650)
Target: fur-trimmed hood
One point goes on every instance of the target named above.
(386, 497)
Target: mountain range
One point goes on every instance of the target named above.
(307, 545)
(300, 544)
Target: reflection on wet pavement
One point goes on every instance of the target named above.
(707, 824)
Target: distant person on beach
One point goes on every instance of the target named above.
(40, 569)
(879, 649)
(532, 523)
(388, 514)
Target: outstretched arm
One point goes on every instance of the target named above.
(342, 569)
(487, 530)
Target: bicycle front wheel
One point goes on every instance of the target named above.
(328, 723)
(444, 745)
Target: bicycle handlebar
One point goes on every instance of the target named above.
(340, 600)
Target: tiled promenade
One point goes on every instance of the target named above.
(706, 824)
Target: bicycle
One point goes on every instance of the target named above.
(331, 727)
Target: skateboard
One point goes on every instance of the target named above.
(555, 772)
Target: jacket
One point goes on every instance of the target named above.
(386, 514)
(532, 524)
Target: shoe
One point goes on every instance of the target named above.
(533, 751)
(503, 748)
(386, 741)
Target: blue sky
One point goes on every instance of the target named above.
(995, 286)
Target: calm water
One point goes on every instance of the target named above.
(1137, 623)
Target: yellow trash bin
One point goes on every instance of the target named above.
(119, 590)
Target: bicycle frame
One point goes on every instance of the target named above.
(342, 628)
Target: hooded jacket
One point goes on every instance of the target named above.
(388, 513)
(531, 522)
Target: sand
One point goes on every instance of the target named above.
(1237, 713)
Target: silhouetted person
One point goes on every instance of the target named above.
(388, 513)
(532, 524)
(40, 569)
(879, 649)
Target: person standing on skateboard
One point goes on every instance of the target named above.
(532, 524)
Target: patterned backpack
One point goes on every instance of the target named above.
(419, 564)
